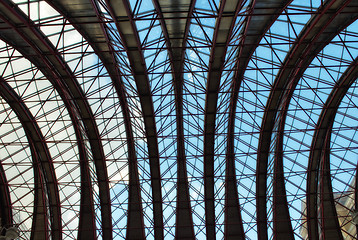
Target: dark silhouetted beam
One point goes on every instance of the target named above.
(135, 219)
(261, 16)
(20, 33)
(225, 23)
(175, 22)
(123, 17)
(43, 168)
(87, 19)
(5, 200)
(329, 220)
(332, 17)
(320, 150)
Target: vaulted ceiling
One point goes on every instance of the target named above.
(179, 119)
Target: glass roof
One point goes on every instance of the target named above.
(178, 119)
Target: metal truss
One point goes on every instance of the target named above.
(191, 119)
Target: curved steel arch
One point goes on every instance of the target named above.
(261, 12)
(89, 22)
(330, 223)
(127, 29)
(225, 23)
(176, 36)
(5, 200)
(92, 26)
(31, 43)
(332, 17)
(320, 151)
(42, 163)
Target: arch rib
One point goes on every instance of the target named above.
(135, 221)
(233, 224)
(330, 224)
(42, 163)
(262, 15)
(332, 17)
(176, 38)
(94, 31)
(129, 34)
(32, 44)
(320, 149)
(5, 200)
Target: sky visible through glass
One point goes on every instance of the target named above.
(54, 120)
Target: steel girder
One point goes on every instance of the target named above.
(5, 201)
(43, 169)
(86, 17)
(127, 29)
(233, 223)
(318, 33)
(89, 21)
(29, 41)
(253, 32)
(320, 152)
(176, 36)
(330, 224)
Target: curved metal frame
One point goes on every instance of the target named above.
(43, 169)
(252, 35)
(96, 34)
(333, 16)
(5, 201)
(35, 47)
(127, 29)
(318, 33)
(320, 151)
(224, 25)
(176, 43)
